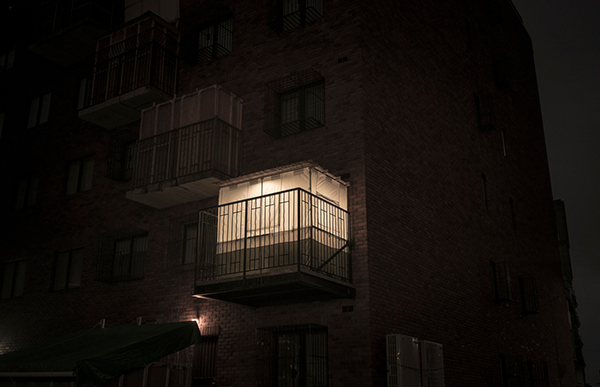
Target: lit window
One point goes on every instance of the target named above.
(27, 188)
(13, 279)
(295, 104)
(67, 272)
(129, 257)
(79, 175)
(39, 110)
(290, 14)
(215, 39)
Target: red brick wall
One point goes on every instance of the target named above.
(401, 121)
(431, 238)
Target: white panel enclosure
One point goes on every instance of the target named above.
(201, 105)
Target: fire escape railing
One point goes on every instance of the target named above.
(283, 232)
(146, 59)
(195, 148)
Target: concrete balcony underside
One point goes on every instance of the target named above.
(123, 109)
(298, 286)
(178, 190)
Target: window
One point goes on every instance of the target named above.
(414, 362)
(67, 270)
(294, 356)
(13, 279)
(295, 104)
(129, 257)
(513, 373)
(79, 175)
(485, 113)
(7, 60)
(190, 242)
(502, 288)
(205, 360)
(529, 300)
(85, 93)
(27, 188)
(121, 159)
(538, 373)
(39, 110)
(290, 14)
(215, 39)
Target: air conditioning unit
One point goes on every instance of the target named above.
(403, 361)
(432, 364)
(414, 363)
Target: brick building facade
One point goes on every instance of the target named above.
(329, 179)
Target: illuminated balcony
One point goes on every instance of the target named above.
(186, 146)
(135, 67)
(284, 245)
(66, 30)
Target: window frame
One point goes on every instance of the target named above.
(7, 60)
(295, 16)
(184, 249)
(28, 198)
(131, 256)
(218, 26)
(502, 281)
(69, 274)
(17, 279)
(303, 111)
(39, 110)
(529, 297)
(204, 368)
(81, 175)
(121, 159)
(308, 346)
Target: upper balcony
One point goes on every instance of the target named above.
(135, 67)
(66, 31)
(187, 145)
(283, 237)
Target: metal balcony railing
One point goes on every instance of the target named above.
(199, 147)
(146, 59)
(55, 16)
(284, 232)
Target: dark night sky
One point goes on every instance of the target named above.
(566, 42)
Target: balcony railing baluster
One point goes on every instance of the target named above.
(280, 233)
(184, 151)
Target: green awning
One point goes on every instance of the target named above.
(99, 355)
